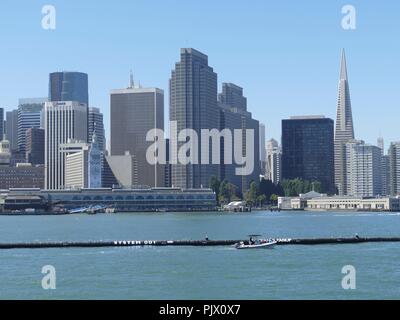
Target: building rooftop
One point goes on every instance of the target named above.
(136, 90)
(307, 117)
(195, 53)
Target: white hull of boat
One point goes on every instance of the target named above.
(256, 246)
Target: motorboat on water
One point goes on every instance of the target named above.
(256, 243)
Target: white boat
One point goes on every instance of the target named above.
(255, 243)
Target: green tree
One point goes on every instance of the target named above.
(274, 199)
(251, 195)
(268, 188)
(215, 185)
(227, 192)
(294, 187)
(261, 200)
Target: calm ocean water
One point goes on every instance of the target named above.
(285, 272)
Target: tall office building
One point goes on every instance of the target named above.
(344, 128)
(236, 117)
(29, 116)
(193, 105)
(35, 146)
(274, 158)
(134, 112)
(364, 169)
(1, 124)
(69, 86)
(12, 129)
(64, 121)
(308, 150)
(394, 168)
(96, 125)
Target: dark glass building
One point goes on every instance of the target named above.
(69, 86)
(232, 95)
(35, 146)
(193, 105)
(234, 116)
(308, 150)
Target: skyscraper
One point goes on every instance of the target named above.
(344, 128)
(134, 112)
(234, 116)
(64, 121)
(69, 86)
(29, 116)
(96, 125)
(12, 129)
(364, 169)
(193, 105)
(307, 150)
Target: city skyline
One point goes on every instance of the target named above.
(266, 74)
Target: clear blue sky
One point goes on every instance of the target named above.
(285, 54)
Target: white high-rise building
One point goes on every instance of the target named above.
(274, 156)
(63, 121)
(364, 169)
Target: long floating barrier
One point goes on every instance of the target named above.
(198, 243)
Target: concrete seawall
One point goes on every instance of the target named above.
(194, 243)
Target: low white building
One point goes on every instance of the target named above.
(321, 202)
(356, 204)
(298, 203)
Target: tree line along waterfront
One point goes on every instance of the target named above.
(263, 194)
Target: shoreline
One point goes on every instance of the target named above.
(218, 212)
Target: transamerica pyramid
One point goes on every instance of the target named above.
(344, 127)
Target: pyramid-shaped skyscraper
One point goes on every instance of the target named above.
(344, 131)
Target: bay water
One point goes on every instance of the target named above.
(285, 272)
